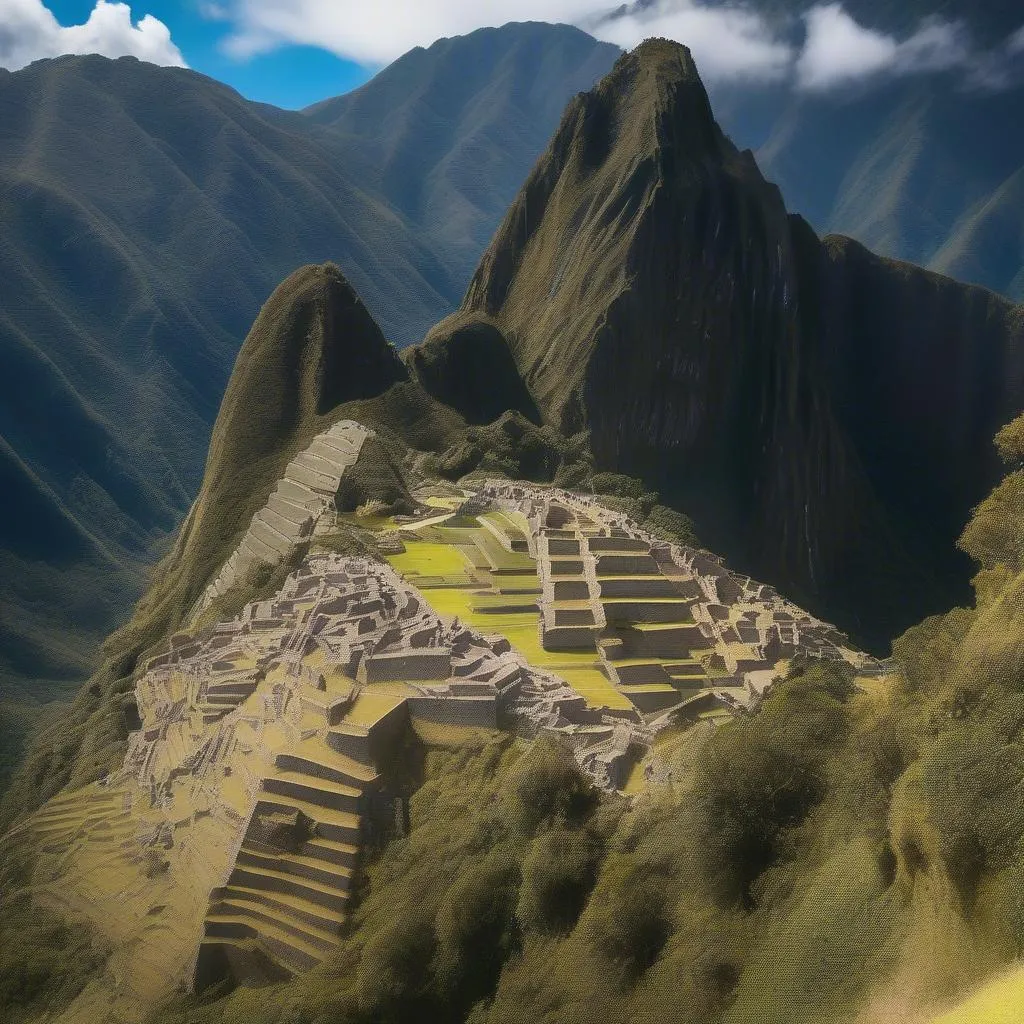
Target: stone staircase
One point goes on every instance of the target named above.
(304, 493)
(286, 897)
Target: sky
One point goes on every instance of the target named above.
(294, 52)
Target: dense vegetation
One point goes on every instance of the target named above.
(44, 961)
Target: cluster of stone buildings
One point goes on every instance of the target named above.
(292, 512)
(673, 626)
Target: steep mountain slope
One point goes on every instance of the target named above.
(147, 212)
(924, 171)
(820, 412)
(450, 131)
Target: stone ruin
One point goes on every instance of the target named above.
(674, 628)
(261, 764)
(291, 515)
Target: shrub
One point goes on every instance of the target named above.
(618, 484)
(1010, 442)
(971, 780)
(751, 789)
(995, 534)
(475, 928)
(394, 972)
(550, 786)
(558, 874)
(761, 777)
(887, 749)
(628, 921)
(926, 651)
(44, 963)
(671, 525)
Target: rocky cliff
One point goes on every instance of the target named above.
(817, 410)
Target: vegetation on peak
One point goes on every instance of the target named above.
(470, 368)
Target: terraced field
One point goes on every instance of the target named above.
(579, 592)
(467, 572)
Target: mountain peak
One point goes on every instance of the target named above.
(662, 56)
(313, 346)
(654, 292)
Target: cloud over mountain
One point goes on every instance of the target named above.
(727, 42)
(29, 31)
(838, 50)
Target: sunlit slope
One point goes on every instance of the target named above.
(999, 1002)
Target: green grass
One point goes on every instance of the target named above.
(433, 559)
(423, 558)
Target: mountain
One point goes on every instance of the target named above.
(927, 171)
(252, 788)
(146, 214)
(450, 131)
(313, 355)
(822, 414)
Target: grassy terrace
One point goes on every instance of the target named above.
(491, 611)
(424, 558)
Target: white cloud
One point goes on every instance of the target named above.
(29, 31)
(727, 42)
(839, 51)
(378, 31)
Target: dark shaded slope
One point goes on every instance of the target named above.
(654, 291)
(472, 370)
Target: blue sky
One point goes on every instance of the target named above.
(292, 76)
